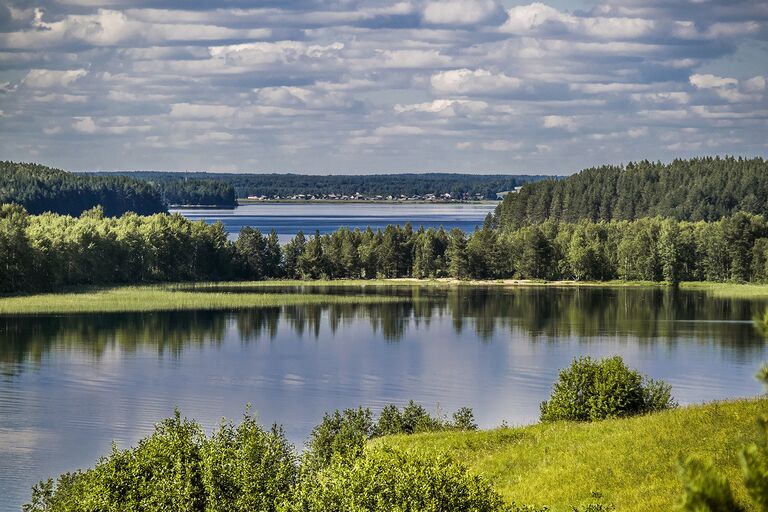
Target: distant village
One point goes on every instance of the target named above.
(435, 198)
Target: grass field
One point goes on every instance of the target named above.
(164, 298)
(632, 462)
(214, 296)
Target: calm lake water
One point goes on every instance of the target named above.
(71, 384)
(287, 219)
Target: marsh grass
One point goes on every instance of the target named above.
(222, 296)
(632, 461)
(729, 290)
(166, 298)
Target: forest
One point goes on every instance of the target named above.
(42, 189)
(696, 189)
(409, 184)
(42, 252)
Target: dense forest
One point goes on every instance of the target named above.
(271, 185)
(48, 251)
(203, 192)
(40, 189)
(697, 189)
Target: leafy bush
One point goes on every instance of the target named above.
(590, 390)
(177, 468)
(387, 480)
(344, 433)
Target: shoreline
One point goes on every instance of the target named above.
(189, 296)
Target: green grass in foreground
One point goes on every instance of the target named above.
(633, 461)
(165, 298)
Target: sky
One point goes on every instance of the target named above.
(359, 86)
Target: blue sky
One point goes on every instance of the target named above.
(339, 86)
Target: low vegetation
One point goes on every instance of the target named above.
(590, 390)
(125, 299)
(407, 460)
(633, 462)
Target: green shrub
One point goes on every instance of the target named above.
(384, 480)
(177, 468)
(590, 390)
(340, 433)
(344, 433)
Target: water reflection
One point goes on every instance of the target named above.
(647, 315)
(71, 384)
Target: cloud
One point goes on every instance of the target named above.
(469, 82)
(501, 145)
(558, 121)
(329, 85)
(47, 78)
(541, 19)
(461, 12)
(708, 81)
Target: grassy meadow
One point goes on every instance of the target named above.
(632, 461)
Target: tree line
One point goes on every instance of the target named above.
(47, 251)
(43, 189)
(696, 189)
(409, 184)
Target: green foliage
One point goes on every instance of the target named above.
(344, 433)
(384, 480)
(590, 390)
(178, 468)
(705, 490)
(42, 189)
(697, 189)
(631, 461)
(341, 433)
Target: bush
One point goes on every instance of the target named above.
(387, 480)
(177, 468)
(344, 433)
(590, 390)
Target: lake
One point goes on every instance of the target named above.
(71, 384)
(288, 218)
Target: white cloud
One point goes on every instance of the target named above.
(460, 12)
(398, 130)
(755, 84)
(467, 81)
(537, 18)
(443, 107)
(708, 81)
(501, 145)
(195, 111)
(46, 78)
(558, 121)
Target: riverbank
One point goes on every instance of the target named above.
(231, 295)
(633, 462)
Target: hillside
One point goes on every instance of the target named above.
(42, 189)
(697, 189)
(632, 462)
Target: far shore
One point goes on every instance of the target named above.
(190, 296)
